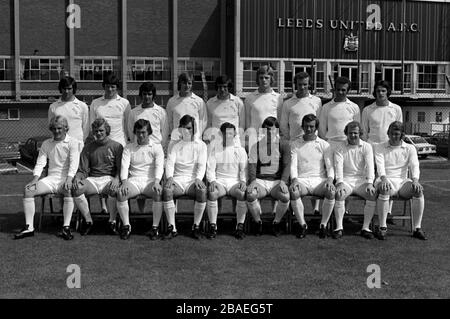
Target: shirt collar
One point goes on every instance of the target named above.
(75, 101)
(65, 140)
(402, 145)
(117, 97)
(348, 144)
(271, 92)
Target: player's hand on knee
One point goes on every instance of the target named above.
(284, 188)
(242, 186)
(340, 190)
(169, 183)
(114, 186)
(417, 188)
(212, 186)
(123, 190)
(371, 190)
(329, 185)
(251, 188)
(199, 184)
(157, 188)
(68, 183)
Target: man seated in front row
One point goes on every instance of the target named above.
(62, 154)
(227, 175)
(355, 172)
(268, 171)
(141, 172)
(98, 173)
(185, 169)
(393, 159)
(312, 173)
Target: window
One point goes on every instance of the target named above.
(6, 70)
(36, 69)
(420, 116)
(211, 68)
(439, 117)
(348, 70)
(10, 114)
(249, 74)
(95, 69)
(149, 70)
(393, 74)
(431, 76)
(407, 116)
(317, 76)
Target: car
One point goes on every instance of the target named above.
(29, 151)
(441, 140)
(9, 151)
(422, 146)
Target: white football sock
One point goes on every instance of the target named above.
(369, 211)
(299, 210)
(157, 208)
(68, 210)
(255, 209)
(212, 211)
(29, 210)
(418, 206)
(124, 212)
(82, 204)
(339, 211)
(327, 209)
(241, 211)
(199, 208)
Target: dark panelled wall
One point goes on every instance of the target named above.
(7, 28)
(261, 36)
(100, 28)
(148, 28)
(42, 27)
(199, 28)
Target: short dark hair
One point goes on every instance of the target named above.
(225, 126)
(111, 79)
(147, 87)
(224, 80)
(397, 126)
(384, 84)
(184, 78)
(351, 125)
(270, 122)
(185, 120)
(67, 81)
(140, 124)
(342, 80)
(99, 122)
(309, 118)
(265, 69)
(301, 76)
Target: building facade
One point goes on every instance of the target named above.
(405, 42)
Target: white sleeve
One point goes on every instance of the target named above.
(379, 159)
(414, 163)
(125, 165)
(74, 157)
(159, 161)
(294, 162)
(41, 160)
(201, 160)
(339, 165)
(211, 167)
(170, 162)
(328, 159)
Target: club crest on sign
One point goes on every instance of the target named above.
(351, 43)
